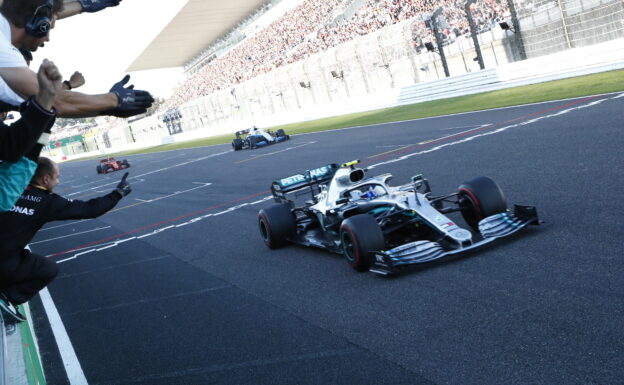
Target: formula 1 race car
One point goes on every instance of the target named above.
(110, 164)
(256, 137)
(382, 228)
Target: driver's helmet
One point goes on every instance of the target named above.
(370, 194)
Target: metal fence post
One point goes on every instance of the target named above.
(409, 49)
(565, 25)
(384, 58)
(473, 33)
(436, 33)
(517, 32)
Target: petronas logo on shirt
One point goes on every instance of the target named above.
(23, 210)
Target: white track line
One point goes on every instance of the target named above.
(201, 185)
(151, 172)
(68, 355)
(70, 235)
(63, 225)
(458, 128)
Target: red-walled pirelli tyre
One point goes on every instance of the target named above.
(360, 235)
(277, 223)
(479, 198)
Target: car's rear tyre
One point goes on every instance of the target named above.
(280, 133)
(125, 163)
(252, 141)
(237, 144)
(277, 223)
(360, 235)
(98, 168)
(479, 198)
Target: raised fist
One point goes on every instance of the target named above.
(50, 80)
(97, 5)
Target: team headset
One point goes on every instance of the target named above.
(40, 22)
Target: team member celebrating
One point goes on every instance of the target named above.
(21, 143)
(26, 24)
(23, 273)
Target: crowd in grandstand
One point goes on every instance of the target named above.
(315, 26)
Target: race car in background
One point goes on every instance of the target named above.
(111, 164)
(256, 137)
(385, 228)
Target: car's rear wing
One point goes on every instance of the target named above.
(242, 132)
(310, 178)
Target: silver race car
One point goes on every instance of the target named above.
(385, 228)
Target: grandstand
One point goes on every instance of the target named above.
(268, 57)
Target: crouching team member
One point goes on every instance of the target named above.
(22, 273)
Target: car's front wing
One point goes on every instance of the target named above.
(491, 228)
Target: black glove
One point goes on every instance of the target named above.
(123, 187)
(97, 5)
(130, 101)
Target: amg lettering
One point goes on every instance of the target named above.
(31, 198)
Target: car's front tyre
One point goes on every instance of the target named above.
(480, 198)
(360, 236)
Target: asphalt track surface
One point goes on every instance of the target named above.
(176, 287)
